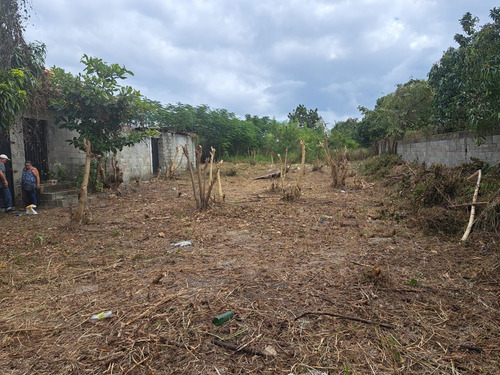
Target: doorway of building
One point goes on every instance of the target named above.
(155, 155)
(35, 145)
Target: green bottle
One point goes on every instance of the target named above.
(222, 318)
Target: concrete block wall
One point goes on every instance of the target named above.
(136, 161)
(64, 160)
(451, 149)
(167, 145)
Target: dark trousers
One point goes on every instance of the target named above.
(30, 197)
(7, 197)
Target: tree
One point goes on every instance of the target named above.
(466, 80)
(12, 97)
(21, 66)
(96, 107)
(482, 77)
(408, 109)
(445, 78)
(11, 30)
(305, 118)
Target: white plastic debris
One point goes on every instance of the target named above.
(181, 243)
(30, 210)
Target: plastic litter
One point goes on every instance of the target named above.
(100, 316)
(222, 318)
(30, 210)
(182, 243)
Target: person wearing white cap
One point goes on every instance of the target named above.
(4, 184)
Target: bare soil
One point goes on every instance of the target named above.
(336, 282)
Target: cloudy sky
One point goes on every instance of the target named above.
(258, 57)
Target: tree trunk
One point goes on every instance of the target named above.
(101, 173)
(82, 199)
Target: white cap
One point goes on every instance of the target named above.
(3, 156)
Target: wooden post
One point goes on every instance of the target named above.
(473, 208)
(191, 173)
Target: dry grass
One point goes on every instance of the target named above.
(326, 284)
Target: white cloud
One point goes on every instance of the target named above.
(261, 58)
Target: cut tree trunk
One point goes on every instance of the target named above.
(82, 199)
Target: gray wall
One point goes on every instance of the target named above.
(451, 149)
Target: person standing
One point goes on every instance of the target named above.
(30, 182)
(4, 184)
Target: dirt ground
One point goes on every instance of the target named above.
(333, 283)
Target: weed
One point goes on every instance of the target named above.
(391, 344)
(231, 172)
(379, 166)
(39, 237)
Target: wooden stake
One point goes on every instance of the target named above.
(302, 163)
(473, 208)
(219, 184)
(212, 155)
(191, 173)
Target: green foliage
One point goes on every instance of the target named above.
(232, 136)
(21, 65)
(12, 97)
(287, 135)
(433, 187)
(22, 85)
(13, 13)
(96, 106)
(379, 166)
(407, 109)
(306, 118)
(339, 139)
(467, 79)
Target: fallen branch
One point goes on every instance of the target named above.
(466, 204)
(385, 325)
(473, 208)
(236, 348)
(471, 348)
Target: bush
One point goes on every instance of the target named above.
(379, 166)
